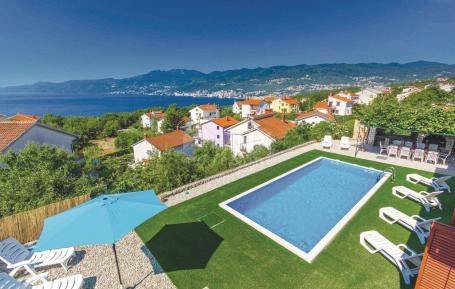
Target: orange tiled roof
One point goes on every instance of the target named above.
(326, 116)
(340, 98)
(225, 121)
(269, 98)
(290, 100)
(321, 105)
(156, 114)
(250, 101)
(186, 119)
(208, 107)
(274, 127)
(169, 140)
(23, 117)
(10, 131)
(437, 270)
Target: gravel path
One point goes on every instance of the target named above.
(139, 269)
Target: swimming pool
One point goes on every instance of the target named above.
(306, 207)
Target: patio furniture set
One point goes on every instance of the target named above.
(410, 151)
(407, 261)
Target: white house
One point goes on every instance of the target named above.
(19, 130)
(368, 94)
(313, 117)
(178, 140)
(250, 107)
(262, 130)
(340, 105)
(203, 113)
(407, 92)
(147, 119)
(351, 95)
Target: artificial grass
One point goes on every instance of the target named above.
(234, 255)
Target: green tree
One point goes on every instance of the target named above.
(173, 119)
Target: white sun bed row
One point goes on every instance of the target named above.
(17, 257)
(407, 261)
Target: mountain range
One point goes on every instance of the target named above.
(244, 82)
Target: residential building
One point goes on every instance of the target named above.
(447, 87)
(157, 117)
(407, 92)
(322, 106)
(21, 129)
(216, 130)
(250, 107)
(2, 116)
(351, 95)
(261, 130)
(148, 146)
(313, 117)
(285, 104)
(340, 105)
(368, 94)
(204, 113)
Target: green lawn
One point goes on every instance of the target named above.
(233, 255)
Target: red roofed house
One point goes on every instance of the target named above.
(216, 130)
(147, 119)
(250, 107)
(177, 140)
(204, 113)
(19, 130)
(340, 105)
(313, 117)
(285, 104)
(260, 130)
(322, 106)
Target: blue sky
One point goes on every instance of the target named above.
(61, 40)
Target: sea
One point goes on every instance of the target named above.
(95, 105)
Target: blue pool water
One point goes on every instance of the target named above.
(304, 206)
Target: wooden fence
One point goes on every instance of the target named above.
(27, 226)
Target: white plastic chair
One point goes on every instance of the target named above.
(433, 147)
(414, 223)
(418, 154)
(439, 184)
(405, 152)
(327, 142)
(407, 261)
(427, 200)
(392, 150)
(345, 143)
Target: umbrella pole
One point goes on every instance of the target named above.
(116, 263)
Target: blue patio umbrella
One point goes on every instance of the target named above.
(103, 220)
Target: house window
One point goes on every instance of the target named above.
(250, 125)
(244, 139)
(218, 136)
(330, 103)
(338, 103)
(217, 127)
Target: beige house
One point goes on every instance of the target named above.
(286, 104)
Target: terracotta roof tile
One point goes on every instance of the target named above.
(269, 98)
(274, 127)
(326, 116)
(340, 98)
(156, 114)
(10, 131)
(321, 105)
(225, 121)
(23, 117)
(290, 100)
(169, 140)
(208, 107)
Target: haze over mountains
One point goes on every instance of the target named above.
(244, 82)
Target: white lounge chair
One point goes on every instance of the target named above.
(414, 223)
(72, 282)
(17, 256)
(407, 261)
(437, 183)
(345, 143)
(428, 200)
(327, 142)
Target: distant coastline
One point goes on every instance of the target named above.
(93, 104)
